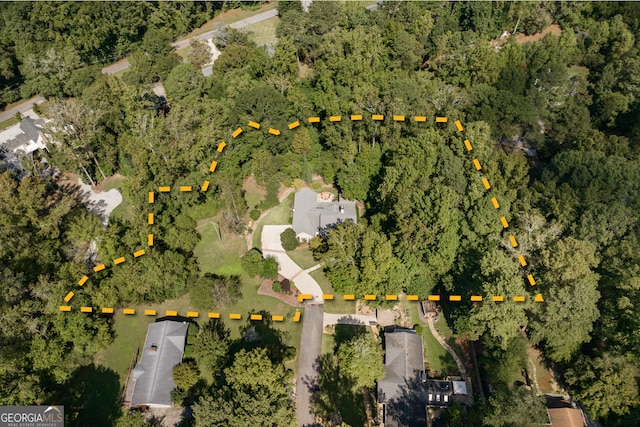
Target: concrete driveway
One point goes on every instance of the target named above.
(347, 319)
(308, 363)
(271, 246)
(102, 204)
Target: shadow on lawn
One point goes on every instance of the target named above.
(91, 397)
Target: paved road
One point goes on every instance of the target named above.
(124, 64)
(22, 107)
(271, 246)
(308, 363)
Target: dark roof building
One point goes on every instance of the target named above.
(313, 211)
(401, 391)
(152, 379)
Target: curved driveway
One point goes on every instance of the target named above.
(271, 246)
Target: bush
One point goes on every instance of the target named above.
(289, 240)
(290, 353)
(252, 262)
(188, 351)
(316, 185)
(177, 396)
(191, 340)
(270, 268)
(213, 291)
(254, 214)
(277, 286)
(418, 329)
(193, 329)
(298, 184)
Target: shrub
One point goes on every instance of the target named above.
(418, 329)
(290, 353)
(289, 240)
(254, 214)
(252, 262)
(193, 329)
(191, 340)
(188, 351)
(212, 291)
(270, 268)
(298, 183)
(316, 185)
(277, 286)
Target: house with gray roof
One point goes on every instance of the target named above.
(20, 140)
(151, 380)
(401, 392)
(314, 211)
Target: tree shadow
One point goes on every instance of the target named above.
(261, 333)
(334, 396)
(408, 405)
(348, 331)
(91, 397)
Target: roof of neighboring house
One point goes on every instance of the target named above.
(566, 417)
(402, 388)
(22, 138)
(309, 214)
(163, 349)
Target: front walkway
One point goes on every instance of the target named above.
(271, 246)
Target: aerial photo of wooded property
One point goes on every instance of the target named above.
(320, 213)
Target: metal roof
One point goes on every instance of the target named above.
(153, 376)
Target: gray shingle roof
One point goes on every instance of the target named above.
(403, 360)
(154, 374)
(309, 215)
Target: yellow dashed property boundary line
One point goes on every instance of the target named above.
(304, 297)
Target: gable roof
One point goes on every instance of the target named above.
(153, 376)
(309, 214)
(20, 139)
(402, 388)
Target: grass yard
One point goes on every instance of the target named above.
(8, 123)
(253, 193)
(229, 17)
(303, 257)
(328, 343)
(436, 357)
(279, 215)
(130, 332)
(125, 210)
(264, 32)
(338, 305)
(223, 257)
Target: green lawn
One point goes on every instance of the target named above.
(125, 211)
(303, 257)
(130, 332)
(436, 357)
(279, 215)
(9, 122)
(253, 194)
(223, 257)
(328, 343)
(264, 32)
(338, 305)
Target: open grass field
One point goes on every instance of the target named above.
(264, 32)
